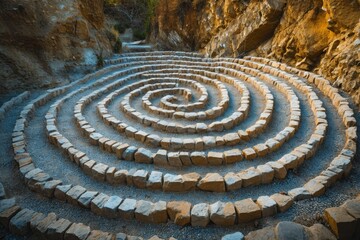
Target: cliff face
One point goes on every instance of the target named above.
(316, 35)
(41, 41)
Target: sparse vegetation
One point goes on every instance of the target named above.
(135, 14)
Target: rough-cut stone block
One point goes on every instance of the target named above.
(57, 229)
(280, 171)
(7, 214)
(174, 159)
(232, 181)
(97, 204)
(20, 223)
(98, 171)
(199, 158)
(139, 178)
(342, 224)
(233, 156)
(283, 202)
(200, 215)
(299, 194)
(160, 158)
(111, 206)
(247, 210)
(42, 226)
(60, 191)
(74, 193)
(215, 158)
(315, 188)
(222, 214)
(267, 173)
(127, 208)
(179, 212)
(249, 153)
(85, 199)
(151, 212)
(250, 177)
(212, 182)
(267, 206)
(155, 180)
(77, 231)
(143, 155)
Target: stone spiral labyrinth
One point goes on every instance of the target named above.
(152, 136)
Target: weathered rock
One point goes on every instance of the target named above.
(320, 232)
(247, 210)
(222, 214)
(151, 212)
(342, 224)
(7, 214)
(29, 69)
(290, 230)
(299, 194)
(283, 202)
(127, 208)
(267, 206)
(233, 181)
(266, 233)
(99, 235)
(233, 236)
(97, 204)
(20, 223)
(57, 229)
(111, 206)
(74, 193)
(200, 215)
(85, 199)
(250, 177)
(212, 182)
(179, 212)
(77, 231)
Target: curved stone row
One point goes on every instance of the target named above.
(339, 167)
(26, 222)
(263, 174)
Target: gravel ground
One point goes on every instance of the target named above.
(48, 158)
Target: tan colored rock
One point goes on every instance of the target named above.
(232, 181)
(267, 206)
(342, 224)
(222, 213)
(315, 188)
(250, 177)
(77, 231)
(283, 202)
(212, 182)
(179, 212)
(232, 156)
(249, 153)
(247, 210)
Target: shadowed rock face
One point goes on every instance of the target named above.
(42, 40)
(318, 35)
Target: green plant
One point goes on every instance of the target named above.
(139, 34)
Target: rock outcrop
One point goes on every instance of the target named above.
(42, 41)
(317, 35)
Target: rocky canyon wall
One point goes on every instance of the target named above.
(41, 41)
(317, 35)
